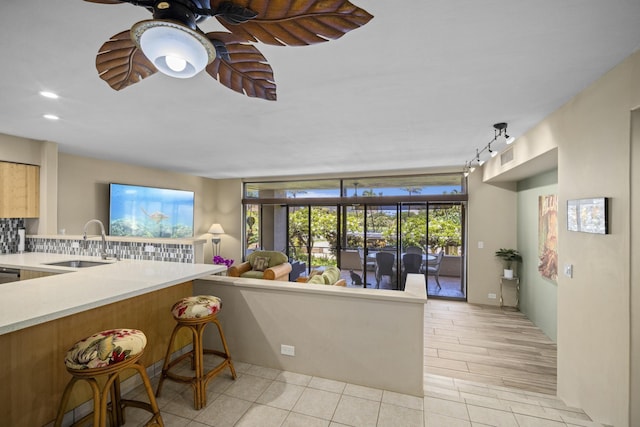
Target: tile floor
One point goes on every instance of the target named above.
(264, 397)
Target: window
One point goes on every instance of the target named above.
(346, 222)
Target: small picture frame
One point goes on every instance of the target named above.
(588, 215)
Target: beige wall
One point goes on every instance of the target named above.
(491, 220)
(635, 270)
(20, 150)
(83, 194)
(593, 307)
(227, 210)
(367, 337)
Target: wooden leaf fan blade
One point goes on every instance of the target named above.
(245, 71)
(121, 63)
(296, 22)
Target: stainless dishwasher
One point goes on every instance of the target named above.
(9, 275)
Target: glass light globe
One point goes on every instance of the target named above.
(173, 48)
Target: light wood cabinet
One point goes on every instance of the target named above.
(19, 190)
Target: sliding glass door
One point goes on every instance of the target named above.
(445, 269)
(365, 226)
(312, 235)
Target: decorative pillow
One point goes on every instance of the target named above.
(260, 263)
(105, 348)
(317, 279)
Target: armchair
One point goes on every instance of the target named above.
(267, 265)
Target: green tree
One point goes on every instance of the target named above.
(445, 228)
(413, 230)
(323, 228)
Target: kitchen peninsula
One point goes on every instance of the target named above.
(41, 318)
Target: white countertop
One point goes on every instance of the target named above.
(30, 302)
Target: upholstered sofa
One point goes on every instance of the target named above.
(268, 265)
(330, 276)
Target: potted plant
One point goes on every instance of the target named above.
(509, 256)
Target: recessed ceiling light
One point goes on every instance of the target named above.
(48, 94)
(51, 117)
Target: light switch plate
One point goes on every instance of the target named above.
(568, 270)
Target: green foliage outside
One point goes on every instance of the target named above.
(444, 232)
(323, 228)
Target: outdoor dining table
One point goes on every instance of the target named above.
(371, 256)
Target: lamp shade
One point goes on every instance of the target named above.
(174, 49)
(216, 229)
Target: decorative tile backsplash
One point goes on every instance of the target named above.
(123, 250)
(9, 234)
(172, 252)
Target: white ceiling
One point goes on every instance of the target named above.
(419, 86)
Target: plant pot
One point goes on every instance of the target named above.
(508, 273)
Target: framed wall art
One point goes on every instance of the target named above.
(588, 215)
(548, 236)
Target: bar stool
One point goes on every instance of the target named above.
(195, 313)
(108, 353)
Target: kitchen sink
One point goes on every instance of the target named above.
(77, 263)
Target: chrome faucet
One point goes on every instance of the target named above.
(103, 247)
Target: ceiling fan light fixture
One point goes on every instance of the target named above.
(173, 48)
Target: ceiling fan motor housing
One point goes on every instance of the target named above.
(175, 11)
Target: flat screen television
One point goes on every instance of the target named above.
(141, 211)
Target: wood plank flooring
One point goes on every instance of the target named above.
(489, 345)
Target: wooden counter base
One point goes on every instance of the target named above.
(32, 371)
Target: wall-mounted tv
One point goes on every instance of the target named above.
(140, 211)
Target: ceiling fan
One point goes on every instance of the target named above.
(173, 44)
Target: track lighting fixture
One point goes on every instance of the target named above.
(500, 130)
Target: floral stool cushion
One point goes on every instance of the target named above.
(105, 348)
(196, 307)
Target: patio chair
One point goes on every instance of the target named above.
(385, 262)
(414, 250)
(433, 268)
(411, 263)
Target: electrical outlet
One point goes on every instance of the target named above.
(492, 296)
(287, 350)
(149, 248)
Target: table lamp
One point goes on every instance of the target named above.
(216, 230)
